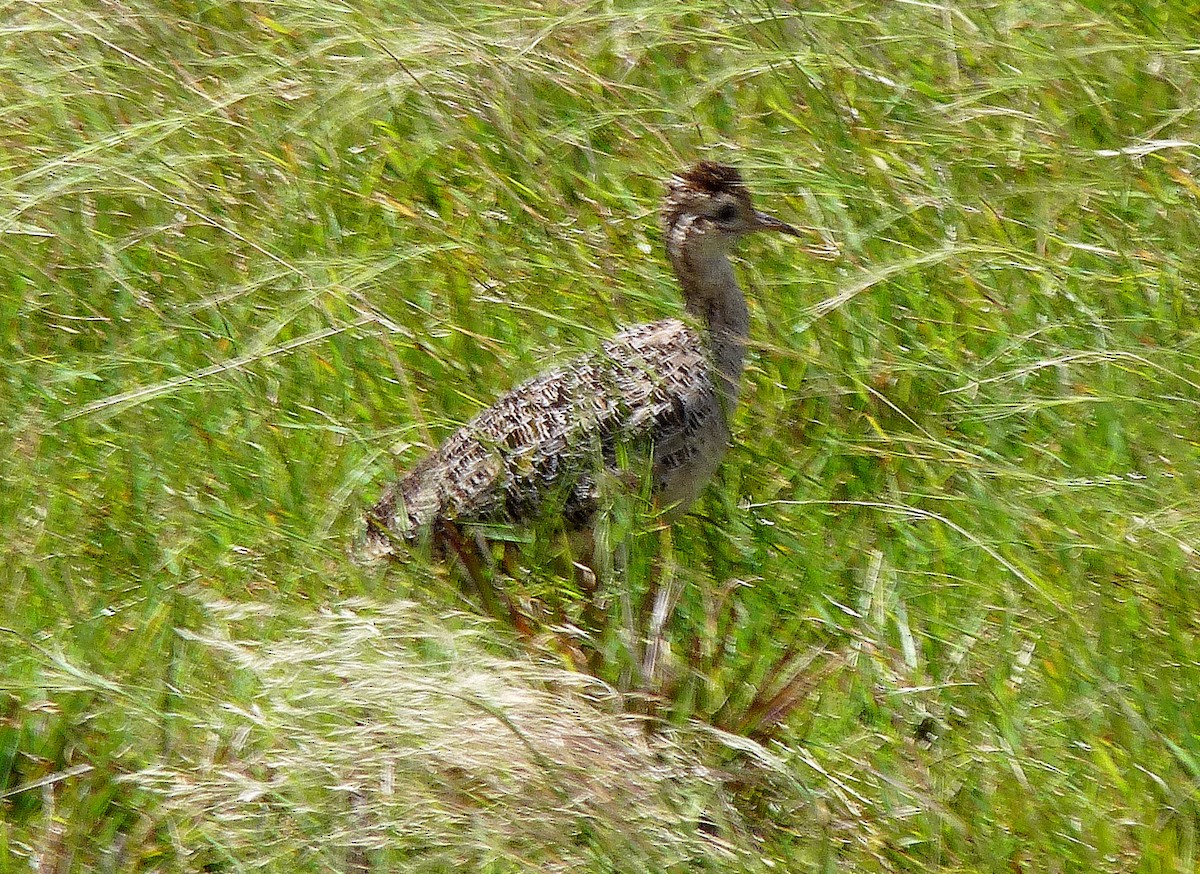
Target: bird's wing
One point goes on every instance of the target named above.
(542, 440)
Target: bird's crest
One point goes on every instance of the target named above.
(711, 178)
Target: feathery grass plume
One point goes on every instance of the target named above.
(385, 735)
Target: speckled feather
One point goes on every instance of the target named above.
(661, 390)
(649, 389)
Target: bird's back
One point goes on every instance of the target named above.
(539, 448)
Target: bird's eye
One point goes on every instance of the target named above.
(726, 213)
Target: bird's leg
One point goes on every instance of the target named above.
(471, 559)
(647, 626)
(580, 554)
(628, 633)
(662, 596)
(580, 551)
(511, 559)
(603, 568)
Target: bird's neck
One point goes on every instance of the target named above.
(712, 294)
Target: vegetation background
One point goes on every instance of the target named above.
(255, 256)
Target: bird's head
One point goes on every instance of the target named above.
(708, 207)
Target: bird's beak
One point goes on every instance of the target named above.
(764, 222)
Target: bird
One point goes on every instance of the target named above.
(666, 389)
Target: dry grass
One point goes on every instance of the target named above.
(380, 732)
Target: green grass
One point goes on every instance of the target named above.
(255, 257)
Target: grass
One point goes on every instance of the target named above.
(255, 257)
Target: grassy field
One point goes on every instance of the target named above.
(254, 257)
